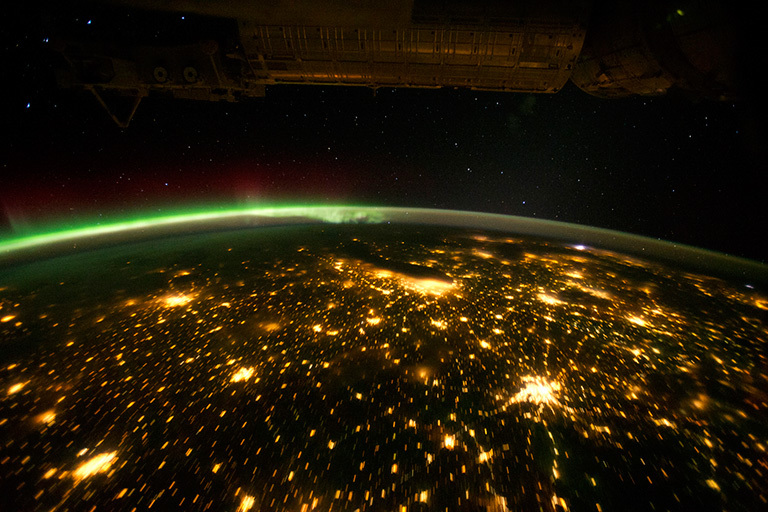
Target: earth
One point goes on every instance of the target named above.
(380, 360)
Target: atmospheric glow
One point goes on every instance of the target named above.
(254, 216)
(329, 214)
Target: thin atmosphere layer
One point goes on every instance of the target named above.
(203, 219)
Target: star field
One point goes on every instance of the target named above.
(673, 168)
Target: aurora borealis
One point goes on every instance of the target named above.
(668, 168)
(197, 219)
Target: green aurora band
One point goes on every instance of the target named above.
(322, 214)
(231, 218)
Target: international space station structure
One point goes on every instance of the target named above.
(236, 48)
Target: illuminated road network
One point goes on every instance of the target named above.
(371, 368)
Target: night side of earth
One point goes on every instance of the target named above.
(377, 366)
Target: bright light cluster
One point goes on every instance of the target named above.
(96, 464)
(537, 390)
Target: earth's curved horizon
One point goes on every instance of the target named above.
(378, 359)
(243, 217)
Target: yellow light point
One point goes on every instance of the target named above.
(242, 374)
(449, 441)
(246, 503)
(712, 484)
(637, 321)
(46, 417)
(602, 429)
(600, 294)
(701, 402)
(485, 344)
(173, 301)
(331, 444)
(17, 387)
(373, 321)
(394, 468)
(558, 501)
(537, 390)
(428, 286)
(485, 456)
(440, 324)
(423, 496)
(549, 299)
(96, 464)
(7, 318)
